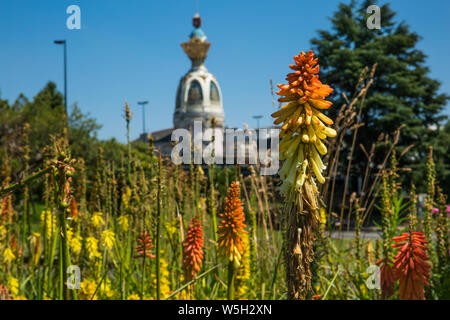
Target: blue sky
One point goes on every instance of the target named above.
(131, 50)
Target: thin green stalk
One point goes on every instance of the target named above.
(192, 281)
(275, 273)
(231, 277)
(158, 232)
(23, 182)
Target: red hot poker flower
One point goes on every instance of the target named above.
(232, 225)
(412, 270)
(388, 277)
(144, 246)
(193, 249)
(4, 293)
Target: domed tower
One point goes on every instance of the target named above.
(198, 96)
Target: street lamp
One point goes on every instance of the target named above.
(143, 103)
(257, 120)
(63, 42)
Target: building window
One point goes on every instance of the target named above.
(214, 93)
(195, 94)
(178, 99)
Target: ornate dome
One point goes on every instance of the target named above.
(198, 96)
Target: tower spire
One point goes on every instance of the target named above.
(198, 95)
(197, 47)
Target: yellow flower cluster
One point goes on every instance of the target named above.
(87, 290)
(92, 248)
(108, 239)
(97, 220)
(134, 296)
(123, 222)
(323, 220)
(165, 283)
(13, 285)
(243, 273)
(35, 241)
(126, 197)
(75, 242)
(2, 232)
(8, 256)
(48, 223)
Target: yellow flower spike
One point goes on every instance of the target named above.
(12, 285)
(284, 144)
(320, 104)
(300, 157)
(286, 168)
(97, 219)
(2, 232)
(303, 125)
(321, 147)
(295, 116)
(87, 290)
(290, 107)
(316, 157)
(330, 132)
(305, 136)
(308, 119)
(317, 171)
(48, 221)
(108, 239)
(285, 113)
(302, 176)
(308, 109)
(8, 256)
(303, 165)
(311, 134)
(123, 222)
(92, 248)
(323, 117)
(292, 172)
(319, 133)
(292, 147)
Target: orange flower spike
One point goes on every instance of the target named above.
(232, 225)
(144, 246)
(300, 116)
(388, 276)
(410, 264)
(193, 249)
(73, 208)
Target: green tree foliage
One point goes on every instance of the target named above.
(402, 92)
(44, 114)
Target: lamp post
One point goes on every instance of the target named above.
(143, 103)
(63, 42)
(257, 120)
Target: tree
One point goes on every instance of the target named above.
(44, 113)
(402, 92)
